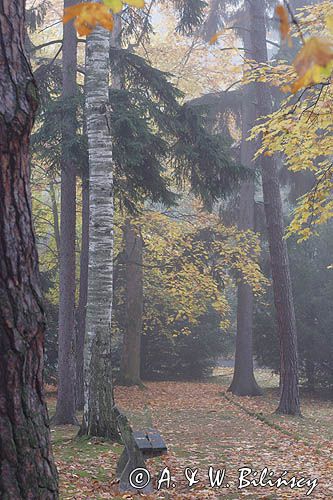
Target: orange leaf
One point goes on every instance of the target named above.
(215, 37)
(313, 62)
(315, 51)
(71, 12)
(282, 14)
(88, 16)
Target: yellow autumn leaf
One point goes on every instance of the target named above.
(312, 62)
(117, 5)
(114, 5)
(87, 16)
(329, 22)
(90, 14)
(139, 4)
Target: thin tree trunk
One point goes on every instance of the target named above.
(55, 215)
(27, 468)
(65, 411)
(99, 418)
(243, 382)
(81, 309)
(131, 355)
(289, 397)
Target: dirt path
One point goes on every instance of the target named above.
(204, 428)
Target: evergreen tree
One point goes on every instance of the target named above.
(27, 465)
(65, 410)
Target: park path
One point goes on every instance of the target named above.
(204, 427)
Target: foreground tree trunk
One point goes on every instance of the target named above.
(65, 410)
(81, 308)
(99, 418)
(289, 397)
(243, 382)
(27, 468)
(131, 355)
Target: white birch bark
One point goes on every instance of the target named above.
(98, 415)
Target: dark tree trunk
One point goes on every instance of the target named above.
(83, 292)
(243, 382)
(27, 469)
(65, 411)
(131, 355)
(289, 398)
(55, 215)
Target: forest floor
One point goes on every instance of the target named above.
(204, 426)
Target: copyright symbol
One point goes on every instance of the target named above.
(139, 478)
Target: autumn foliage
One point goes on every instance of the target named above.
(301, 128)
(91, 14)
(313, 62)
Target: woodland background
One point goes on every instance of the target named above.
(180, 171)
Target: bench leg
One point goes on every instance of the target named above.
(131, 457)
(123, 459)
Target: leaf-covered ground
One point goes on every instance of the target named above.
(203, 426)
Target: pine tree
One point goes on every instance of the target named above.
(27, 466)
(283, 298)
(65, 410)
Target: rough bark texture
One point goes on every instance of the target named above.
(243, 382)
(65, 411)
(289, 398)
(27, 469)
(131, 355)
(99, 419)
(81, 308)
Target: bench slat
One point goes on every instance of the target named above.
(157, 441)
(150, 442)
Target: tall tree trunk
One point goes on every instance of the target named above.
(131, 349)
(55, 215)
(99, 418)
(65, 411)
(81, 309)
(243, 382)
(27, 468)
(289, 398)
(131, 355)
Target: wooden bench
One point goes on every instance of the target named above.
(139, 445)
(150, 443)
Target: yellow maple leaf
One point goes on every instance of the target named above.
(117, 5)
(139, 4)
(114, 5)
(87, 16)
(313, 62)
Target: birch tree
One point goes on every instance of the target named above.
(98, 417)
